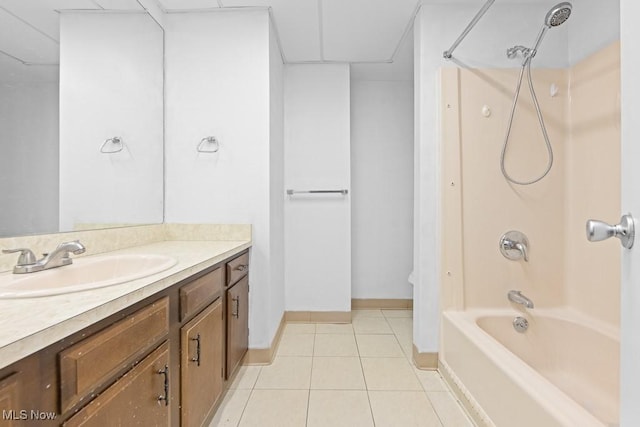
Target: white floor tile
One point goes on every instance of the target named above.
(448, 409)
(246, 377)
(335, 345)
(334, 328)
(403, 408)
(339, 408)
(231, 408)
(371, 325)
(379, 346)
(296, 345)
(337, 373)
(431, 380)
(276, 408)
(389, 374)
(292, 373)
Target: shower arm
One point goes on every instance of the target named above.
(447, 54)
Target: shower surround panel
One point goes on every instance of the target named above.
(565, 273)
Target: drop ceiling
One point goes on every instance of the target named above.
(327, 30)
(354, 31)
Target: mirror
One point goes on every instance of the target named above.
(81, 116)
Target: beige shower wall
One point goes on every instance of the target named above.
(479, 205)
(592, 184)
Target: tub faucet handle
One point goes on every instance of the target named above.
(514, 245)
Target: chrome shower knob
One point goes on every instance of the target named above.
(514, 245)
(625, 231)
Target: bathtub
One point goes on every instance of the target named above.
(563, 371)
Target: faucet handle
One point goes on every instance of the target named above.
(514, 245)
(26, 257)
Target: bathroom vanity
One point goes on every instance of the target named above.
(164, 353)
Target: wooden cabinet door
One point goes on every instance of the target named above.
(237, 324)
(136, 399)
(10, 403)
(201, 365)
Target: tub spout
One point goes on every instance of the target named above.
(518, 298)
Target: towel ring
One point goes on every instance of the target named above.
(117, 143)
(209, 140)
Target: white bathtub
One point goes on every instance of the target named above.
(563, 371)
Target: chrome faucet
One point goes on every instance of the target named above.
(57, 258)
(514, 245)
(518, 298)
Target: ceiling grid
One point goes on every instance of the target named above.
(308, 31)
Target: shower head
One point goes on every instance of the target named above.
(558, 14)
(555, 17)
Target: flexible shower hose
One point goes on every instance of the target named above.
(527, 65)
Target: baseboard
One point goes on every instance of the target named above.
(370, 303)
(264, 356)
(318, 316)
(426, 361)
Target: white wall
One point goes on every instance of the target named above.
(29, 159)
(593, 25)
(317, 227)
(111, 84)
(630, 291)
(218, 68)
(382, 184)
(276, 175)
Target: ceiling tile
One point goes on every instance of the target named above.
(400, 69)
(188, 4)
(24, 42)
(364, 30)
(249, 3)
(42, 14)
(297, 23)
(298, 27)
(120, 4)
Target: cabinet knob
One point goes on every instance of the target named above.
(242, 267)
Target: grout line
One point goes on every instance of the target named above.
(244, 408)
(364, 378)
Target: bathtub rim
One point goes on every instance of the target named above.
(545, 394)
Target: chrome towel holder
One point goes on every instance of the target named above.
(344, 192)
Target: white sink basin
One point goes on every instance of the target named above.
(84, 274)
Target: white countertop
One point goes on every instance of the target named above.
(31, 324)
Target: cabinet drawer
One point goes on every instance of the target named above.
(237, 268)
(135, 399)
(199, 293)
(94, 361)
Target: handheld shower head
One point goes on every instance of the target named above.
(558, 14)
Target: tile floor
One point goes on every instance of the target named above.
(327, 375)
